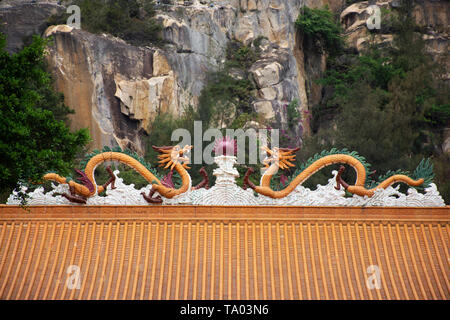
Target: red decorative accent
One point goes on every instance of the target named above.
(205, 182)
(73, 197)
(247, 182)
(283, 179)
(111, 180)
(225, 147)
(339, 181)
(167, 180)
(150, 199)
(85, 180)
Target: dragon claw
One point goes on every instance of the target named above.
(205, 182)
(247, 182)
(74, 198)
(111, 180)
(150, 199)
(339, 181)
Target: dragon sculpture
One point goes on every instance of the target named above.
(281, 158)
(172, 157)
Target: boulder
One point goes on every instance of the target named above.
(264, 108)
(266, 73)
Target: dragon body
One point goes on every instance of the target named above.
(280, 158)
(170, 157)
(173, 158)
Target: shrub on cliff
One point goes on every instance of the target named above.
(130, 20)
(319, 28)
(33, 136)
(228, 95)
(389, 105)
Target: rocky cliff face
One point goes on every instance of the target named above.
(431, 16)
(112, 86)
(20, 19)
(118, 89)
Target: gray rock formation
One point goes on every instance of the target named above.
(114, 87)
(431, 16)
(117, 89)
(21, 19)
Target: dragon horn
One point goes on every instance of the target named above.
(288, 163)
(162, 148)
(167, 165)
(267, 150)
(290, 151)
(164, 160)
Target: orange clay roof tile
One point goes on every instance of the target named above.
(188, 252)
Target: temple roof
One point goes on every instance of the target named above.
(201, 252)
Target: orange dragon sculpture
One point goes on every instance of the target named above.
(281, 158)
(170, 157)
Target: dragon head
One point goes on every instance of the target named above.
(282, 157)
(171, 156)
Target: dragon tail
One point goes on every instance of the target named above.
(361, 191)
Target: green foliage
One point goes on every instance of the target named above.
(425, 171)
(241, 56)
(33, 137)
(387, 104)
(320, 25)
(130, 20)
(162, 127)
(225, 101)
(302, 166)
(242, 119)
(227, 96)
(293, 115)
(223, 98)
(442, 179)
(128, 175)
(160, 135)
(438, 115)
(257, 43)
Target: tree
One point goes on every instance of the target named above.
(33, 136)
(319, 25)
(228, 92)
(387, 104)
(131, 20)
